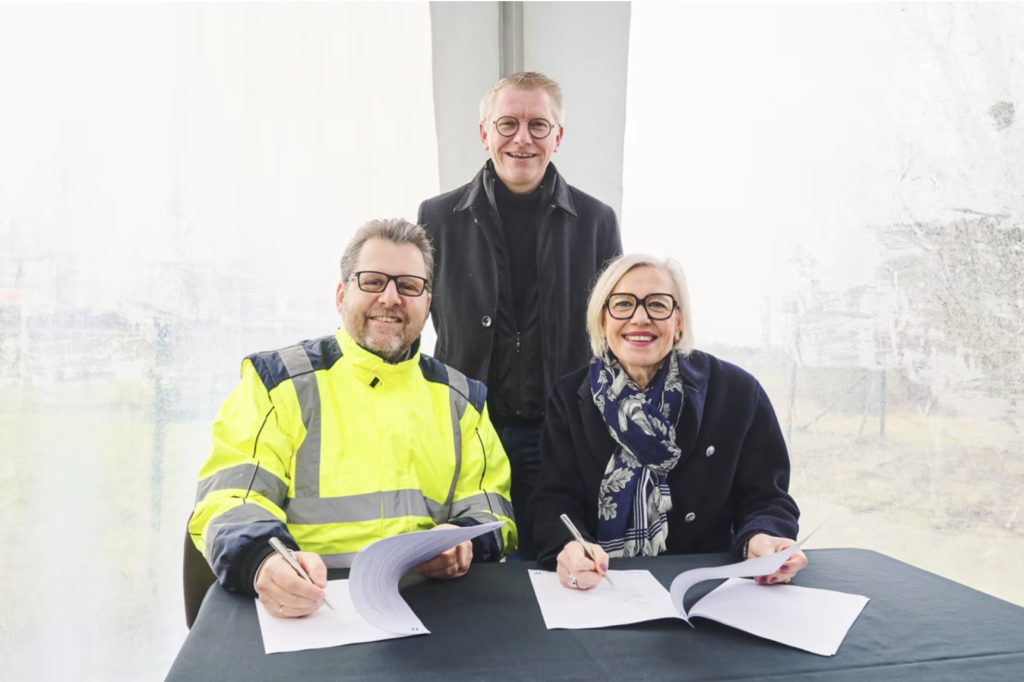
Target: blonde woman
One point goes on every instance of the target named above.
(657, 448)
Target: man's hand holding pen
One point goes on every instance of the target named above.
(284, 592)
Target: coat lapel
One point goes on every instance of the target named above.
(474, 194)
(694, 370)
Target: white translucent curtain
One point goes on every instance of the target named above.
(842, 183)
(177, 181)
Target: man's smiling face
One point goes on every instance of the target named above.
(520, 160)
(385, 323)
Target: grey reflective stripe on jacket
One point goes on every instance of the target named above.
(458, 392)
(387, 504)
(492, 503)
(249, 477)
(307, 459)
(458, 397)
(343, 560)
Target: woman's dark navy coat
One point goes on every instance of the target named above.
(730, 483)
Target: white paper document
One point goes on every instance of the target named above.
(378, 568)
(636, 597)
(803, 617)
(751, 568)
(325, 628)
(367, 606)
(811, 619)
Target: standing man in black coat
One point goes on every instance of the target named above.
(517, 250)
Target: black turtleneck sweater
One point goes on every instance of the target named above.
(517, 364)
(518, 213)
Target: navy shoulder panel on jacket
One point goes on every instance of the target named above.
(321, 353)
(438, 372)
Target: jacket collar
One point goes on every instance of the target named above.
(480, 191)
(694, 370)
(372, 366)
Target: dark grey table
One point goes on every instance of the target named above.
(487, 626)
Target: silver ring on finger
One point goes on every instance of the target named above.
(280, 608)
(573, 582)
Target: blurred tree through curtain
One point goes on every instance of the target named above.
(841, 182)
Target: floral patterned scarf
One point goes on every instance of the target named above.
(634, 496)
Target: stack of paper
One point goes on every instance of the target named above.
(811, 619)
(368, 606)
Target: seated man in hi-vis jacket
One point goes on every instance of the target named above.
(334, 443)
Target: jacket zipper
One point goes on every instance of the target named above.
(517, 376)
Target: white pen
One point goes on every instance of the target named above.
(287, 555)
(586, 547)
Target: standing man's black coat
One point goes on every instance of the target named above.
(577, 235)
(516, 252)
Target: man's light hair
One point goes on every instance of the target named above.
(526, 80)
(395, 230)
(615, 271)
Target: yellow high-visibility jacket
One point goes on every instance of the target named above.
(328, 447)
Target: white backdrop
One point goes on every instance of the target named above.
(177, 182)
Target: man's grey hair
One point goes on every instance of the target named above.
(526, 80)
(395, 230)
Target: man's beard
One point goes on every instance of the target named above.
(390, 347)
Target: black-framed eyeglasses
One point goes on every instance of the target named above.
(539, 128)
(373, 282)
(658, 306)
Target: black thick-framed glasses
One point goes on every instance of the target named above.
(659, 306)
(373, 282)
(539, 128)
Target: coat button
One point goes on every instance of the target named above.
(710, 451)
(485, 320)
(689, 517)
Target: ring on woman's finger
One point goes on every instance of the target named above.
(573, 582)
(280, 609)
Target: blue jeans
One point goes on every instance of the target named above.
(522, 445)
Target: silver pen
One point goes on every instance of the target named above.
(583, 543)
(287, 555)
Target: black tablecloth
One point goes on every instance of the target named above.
(487, 625)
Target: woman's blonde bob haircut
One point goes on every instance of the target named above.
(615, 271)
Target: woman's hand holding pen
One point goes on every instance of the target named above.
(763, 545)
(576, 570)
(284, 592)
